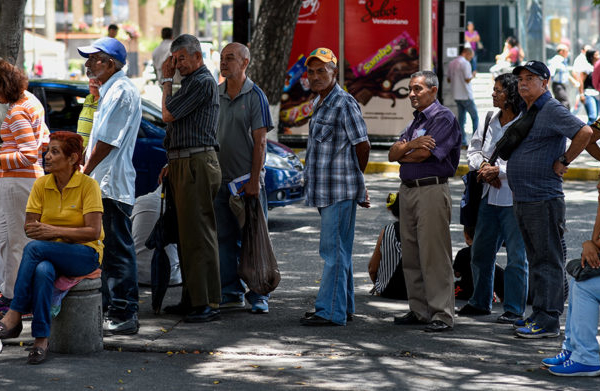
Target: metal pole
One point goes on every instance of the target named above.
(341, 55)
(426, 41)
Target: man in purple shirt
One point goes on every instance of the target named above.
(428, 152)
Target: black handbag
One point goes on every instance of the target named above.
(514, 135)
(581, 273)
(469, 204)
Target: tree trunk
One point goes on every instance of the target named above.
(11, 19)
(271, 45)
(178, 17)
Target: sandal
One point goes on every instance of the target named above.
(5, 333)
(37, 355)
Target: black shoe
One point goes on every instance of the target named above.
(508, 318)
(177, 309)
(6, 333)
(349, 317)
(437, 326)
(468, 309)
(202, 314)
(408, 318)
(315, 320)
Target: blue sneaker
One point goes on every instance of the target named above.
(572, 368)
(534, 331)
(522, 323)
(260, 307)
(559, 359)
(228, 304)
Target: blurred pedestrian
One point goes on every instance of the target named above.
(473, 39)
(162, 51)
(90, 105)
(428, 152)
(535, 169)
(113, 30)
(588, 95)
(194, 175)
(244, 120)
(336, 157)
(559, 73)
(460, 75)
(24, 138)
(496, 221)
(108, 160)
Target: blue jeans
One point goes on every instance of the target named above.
(496, 224)
(336, 292)
(230, 246)
(119, 266)
(542, 225)
(464, 107)
(591, 107)
(582, 321)
(41, 264)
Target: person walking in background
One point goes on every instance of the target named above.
(109, 161)
(560, 74)
(24, 138)
(86, 117)
(588, 95)
(473, 39)
(428, 152)
(162, 51)
(194, 175)
(496, 222)
(337, 154)
(460, 75)
(244, 120)
(535, 169)
(113, 30)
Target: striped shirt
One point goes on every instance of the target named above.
(238, 118)
(332, 171)
(391, 256)
(86, 118)
(195, 108)
(25, 136)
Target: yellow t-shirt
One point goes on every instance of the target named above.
(86, 118)
(79, 197)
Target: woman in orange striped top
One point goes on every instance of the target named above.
(24, 137)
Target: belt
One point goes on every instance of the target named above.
(187, 152)
(432, 180)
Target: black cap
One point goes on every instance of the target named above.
(535, 67)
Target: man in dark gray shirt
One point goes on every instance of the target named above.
(194, 176)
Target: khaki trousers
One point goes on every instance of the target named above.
(14, 193)
(427, 251)
(195, 182)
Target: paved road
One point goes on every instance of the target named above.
(255, 352)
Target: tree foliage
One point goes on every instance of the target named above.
(271, 45)
(11, 19)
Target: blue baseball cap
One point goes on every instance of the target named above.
(112, 47)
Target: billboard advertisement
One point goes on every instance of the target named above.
(381, 42)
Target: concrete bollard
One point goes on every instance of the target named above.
(78, 327)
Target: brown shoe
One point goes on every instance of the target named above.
(12, 333)
(37, 355)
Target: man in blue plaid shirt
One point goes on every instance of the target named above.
(336, 157)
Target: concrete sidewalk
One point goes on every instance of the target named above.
(242, 351)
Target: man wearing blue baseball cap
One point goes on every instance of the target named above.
(108, 159)
(535, 169)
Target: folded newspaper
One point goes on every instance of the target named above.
(236, 184)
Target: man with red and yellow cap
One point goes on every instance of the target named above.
(336, 156)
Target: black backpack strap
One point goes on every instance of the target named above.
(488, 119)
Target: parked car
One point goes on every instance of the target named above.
(63, 100)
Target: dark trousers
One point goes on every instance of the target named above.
(119, 265)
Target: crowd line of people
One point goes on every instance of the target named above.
(82, 206)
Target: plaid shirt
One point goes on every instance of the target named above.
(332, 173)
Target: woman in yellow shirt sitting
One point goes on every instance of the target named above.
(64, 219)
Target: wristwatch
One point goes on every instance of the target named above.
(166, 79)
(563, 160)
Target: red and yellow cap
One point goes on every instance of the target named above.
(323, 54)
